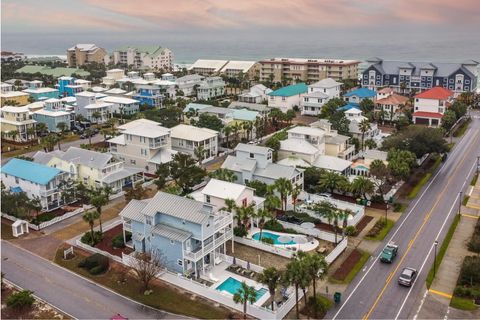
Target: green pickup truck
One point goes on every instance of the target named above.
(389, 253)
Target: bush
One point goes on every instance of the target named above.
(467, 292)
(376, 198)
(290, 230)
(320, 304)
(267, 240)
(273, 225)
(87, 238)
(117, 241)
(397, 207)
(95, 264)
(469, 274)
(240, 231)
(350, 230)
(21, 300)
(47, 216)
(128, 236)
(474, 243)
(379, 225)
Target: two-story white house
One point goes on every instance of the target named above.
(288, 97)
(36, 180)
(143, 144)
(122, 105)
(318, 94)
(90, 106)
(211, 87)
(189, 234)
(355, 117)
(257, 94)
(188, 84)
(187, 139)
(430, 106)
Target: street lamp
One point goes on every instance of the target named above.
(386, 211)
(435, 244)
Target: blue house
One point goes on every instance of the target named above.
(358, 95)
(349, 106)
(53, 113)
(149, 95)
(189, 234)
(67, 88)
(38, 92)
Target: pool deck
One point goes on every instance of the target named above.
(220, 274)
(310, 244)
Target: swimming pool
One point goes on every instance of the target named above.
(274, 237)
(231, 285)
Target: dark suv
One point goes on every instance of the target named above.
(407, 277)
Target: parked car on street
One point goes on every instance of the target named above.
(407, 277)
(389, 253)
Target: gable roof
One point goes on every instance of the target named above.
(30, 171)
(196, 106)
(290, 90)
(45, 157)
(133, 210)
(235, 164)
(252, 148)
(176, 206)
(92, 159)
(171, 233)
(393, 99)
(438, 93)
(326, 83)
(361, 93)
(348, 107)
(224, 189)
(187, 132)
(245, 114)
(298, 146)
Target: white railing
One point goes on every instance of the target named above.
(265, 247)
(240, 262)
(223, 222)
(88, 248)
(314, 232)
(226, 299)
(209, 247)
(50, 222)
(341, 246)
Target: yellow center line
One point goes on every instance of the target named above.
(440, 293)
(469, 216)
(439, 197)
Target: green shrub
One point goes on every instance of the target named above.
(267, 240)
(95, 264)
(46, 216)
(397, 207)
(20, 300)
(96, 270)
(273, 225)
(87, 238)
(128, 236)
(350, 230)
(240, 231)
(469, 273)
(117, 241)
(321, 305)
(376, 228)
(290, 230)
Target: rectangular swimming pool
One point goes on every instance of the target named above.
(231, 285)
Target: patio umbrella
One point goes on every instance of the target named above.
(307, 225)
(301, 240)
(285, 239)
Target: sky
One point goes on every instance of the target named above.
(46, 25)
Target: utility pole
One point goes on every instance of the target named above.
(478, 164)
(460, 202)
(435, 244)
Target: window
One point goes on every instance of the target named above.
(283, 98)
(207, 198)
(172, 242)
(252, 155)
(180, 262)
(133, 162)
(148, 220)
(244, 202)
(16, 180)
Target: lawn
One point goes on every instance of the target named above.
(465, 200)
(474, 180)
(380, 234)
(6, 231)
(350, 267)
(413, 193)
(164, 297)
(461, 130)
(21, 150)
(443, 249)
(462, 304)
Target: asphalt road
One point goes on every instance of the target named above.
(375, 293)
(74, 295)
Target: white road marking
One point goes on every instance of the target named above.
(421, 304)
(454, 206)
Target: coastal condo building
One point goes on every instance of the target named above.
(307, 70)
(153, 57)
(404, 76)
(81, 54)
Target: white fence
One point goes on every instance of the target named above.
(50, 222)
(240, 262)
(265, 247)
(341, 246)
(223, 298)
(314, 232)
(86, 247)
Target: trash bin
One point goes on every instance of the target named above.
(337, 296)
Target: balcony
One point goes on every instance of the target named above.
(157, 144)
(209, 247)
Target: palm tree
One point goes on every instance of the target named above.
(230, 205)
(343, 216)
(248, 127)
(244, 295)
(223, 174)
(227, 130)
(316, 266)
(295, 275)
(96, 115)
(31, 131)
(296, 190)
(284, 187)
(41, 128)
(49, 142)
(62, 126)
(89, 132)
(330, 180)
(244, 213)
(262, 215)
(364, 126)
(236, 127)
(272, 202)
(200, 153)
(325, 210)
(336, 216)
(13, 134)
(362, 186)
(271, 278)
(98, 199)
(35, 204)
(90, 217)
(370, 144)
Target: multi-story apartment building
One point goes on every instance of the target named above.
(207, 67)
(187, 139)
(112, 76)
(307, 70)
(82, 54)
(54, 112)
(318, 94)
(17, 120)
(419, 76)
(189, 234)
(431, 105)
(153, 57)
(143, 144)
(36, 180)
(211, 87)
(187, 84)
(288, 97)
(93, 169)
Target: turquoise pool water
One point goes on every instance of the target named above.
(232, 285)
(274, 237)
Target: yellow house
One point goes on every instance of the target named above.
(14, 97)
(94, 169)
(18, 120)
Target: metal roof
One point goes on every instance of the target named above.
(171, 233)
(133, 210)
(298, 146)
(290, 90)
(235, 164)
(224, 189)
(123, 173)
(92, 159)
(177, 206)
(30, 171)
(252, 148)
